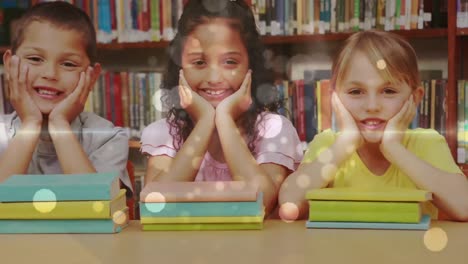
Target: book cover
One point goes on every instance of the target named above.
(185, 209)
(202, 227)
(202, 219)
(370, 194)
(81, 226)
(364, 211)
(422, 225)
(209, 191)
(60, 187)
(63, 210)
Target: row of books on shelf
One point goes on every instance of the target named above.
(296, 17)
(156, 20)
(462, 13)
(307, 103)
(94, 203)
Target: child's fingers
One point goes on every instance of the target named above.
(245, 85)
(86, 87)
(13, 77)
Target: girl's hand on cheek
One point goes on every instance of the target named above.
(17, 77)
(350, 133)
(196, 106)
(397, 125)
(237, 103)
(68, 109)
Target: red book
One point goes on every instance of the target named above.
(118, 100)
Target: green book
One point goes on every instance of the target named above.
(202, 219)
(364, 211)
(370, 194)
(202, 227)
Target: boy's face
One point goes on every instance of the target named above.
(370, 99)
(55, 58)
(215, 60)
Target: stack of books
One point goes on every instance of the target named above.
(217, 205)
(73, 203)
(388, 208)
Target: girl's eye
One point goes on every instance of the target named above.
(389, 91)
(230, 61)
(198, 62)
(34, 59)
(354, 92)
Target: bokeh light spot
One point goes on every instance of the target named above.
(381, 65)
(98, 206)
(119, 217)
(155, 202)
(435, 239)
(303, 181)
(288, 212)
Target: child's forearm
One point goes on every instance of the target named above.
(314, 175)
(16, 158)
(450, 190)
(70, 153)
(188, 159)
(241, 163)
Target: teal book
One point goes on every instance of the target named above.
(185, 209)
(203, 227)
(82, 226)
(422, 225)
(60, 187)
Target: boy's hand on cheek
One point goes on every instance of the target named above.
(68, 109)
(397, 125)
(196, 106)
(237, 103)
(350, 133)
(25, 107)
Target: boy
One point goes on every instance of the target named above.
(49, 75)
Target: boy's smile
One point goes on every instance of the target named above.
(54, 57)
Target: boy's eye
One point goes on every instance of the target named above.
(69, 64)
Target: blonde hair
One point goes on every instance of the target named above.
(393, 56)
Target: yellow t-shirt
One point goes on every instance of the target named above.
(427, 144)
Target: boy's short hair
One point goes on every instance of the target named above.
(392, 55)
(62, 15)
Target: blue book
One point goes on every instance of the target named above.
(60, 187)
(202, 208)
(422, 225)
(81, 226)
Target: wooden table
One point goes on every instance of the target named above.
(278, 242)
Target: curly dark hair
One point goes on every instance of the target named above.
(264, 94)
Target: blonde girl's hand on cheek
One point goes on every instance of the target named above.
(397, 125)
(195, 105)
(68, 109)
(25, 107)
(350, 134)
(237, 103)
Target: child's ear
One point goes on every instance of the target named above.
(418, 94)
(6, 58)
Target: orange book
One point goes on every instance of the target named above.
(209, 191)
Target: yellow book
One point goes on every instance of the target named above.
(63, 210)
(202, 219)
(370, 194)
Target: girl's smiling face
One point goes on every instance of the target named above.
(215, 60)
(371, 100)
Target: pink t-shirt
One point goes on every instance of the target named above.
(276, 143)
